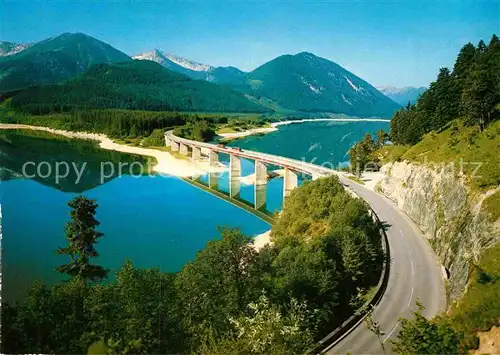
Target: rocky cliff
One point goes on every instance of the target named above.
(450, 215)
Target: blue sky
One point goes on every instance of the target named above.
(386, 43)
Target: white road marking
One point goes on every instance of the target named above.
(401, 232)
(411, 297)
(412, 268)
(392, 331)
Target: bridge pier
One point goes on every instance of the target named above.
(196, 153)
(213, 158)
(234, 166)
(260, 173)
(234, 187)
(234, 176)
(174, 146)
(290, 182)
(167, 141)
(260, 192)
(213, 180)
(183, 149)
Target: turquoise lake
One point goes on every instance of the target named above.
(153, 221)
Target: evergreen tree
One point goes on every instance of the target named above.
(421, 336)
(478, 97)
(82, 235)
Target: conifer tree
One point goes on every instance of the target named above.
(81, 235)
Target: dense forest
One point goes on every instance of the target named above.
(230, 299)
(132, 85)
(471, 92)
(201, 131)
(54, 60)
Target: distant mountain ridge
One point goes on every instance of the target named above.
(195, 70)
(301, 82)
(402, 95)
(305, 82)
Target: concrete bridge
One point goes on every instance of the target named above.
(292, 167)
(417, 270)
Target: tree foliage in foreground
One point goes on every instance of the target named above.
(422, 336)
(229, 299)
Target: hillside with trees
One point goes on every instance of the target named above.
(134, 85)
(454, 124)
(229, 299)
(55, 59)
(471, 92)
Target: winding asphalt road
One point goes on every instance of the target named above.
(414, 274)
(414, 270)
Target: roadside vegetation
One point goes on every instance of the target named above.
(230, 299)
(457, 120)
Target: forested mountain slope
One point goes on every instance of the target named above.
(143, 85)
(444, 173)
(305, 82)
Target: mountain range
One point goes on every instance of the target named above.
(290, 83)
(301, 82)
(402, 95)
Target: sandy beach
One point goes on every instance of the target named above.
(167, 163)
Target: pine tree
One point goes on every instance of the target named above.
(82, 235)
(464, 61)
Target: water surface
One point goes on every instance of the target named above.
(154, 221)
(316, 142)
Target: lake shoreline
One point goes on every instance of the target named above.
(228, 137)
(167, 163)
